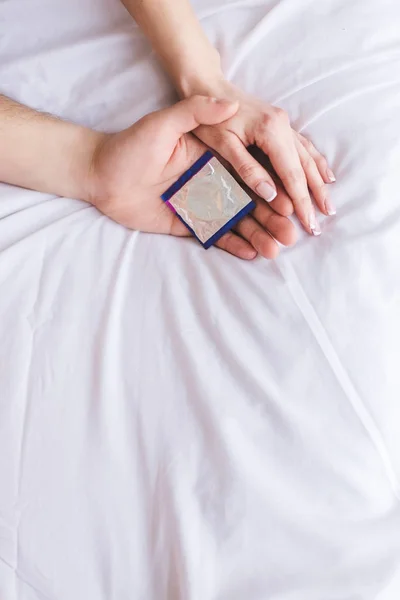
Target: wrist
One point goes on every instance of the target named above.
(200, 78)
(79, 150)
(44, 153)
(213, 84)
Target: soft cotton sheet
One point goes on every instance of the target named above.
(176, 424)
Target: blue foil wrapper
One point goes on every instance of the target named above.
(208, 200)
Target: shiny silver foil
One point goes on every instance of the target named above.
(209, 200)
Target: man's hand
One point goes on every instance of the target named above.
(124, 174)
(131, 169)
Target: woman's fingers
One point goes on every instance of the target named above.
(315, 181)
(275, 138)
(247, 167)
(320, 160)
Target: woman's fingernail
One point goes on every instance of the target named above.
(329, 207)
(331, 175)
(266, 191)
(314, 225)
(317, 230)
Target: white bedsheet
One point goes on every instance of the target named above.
(176, 424)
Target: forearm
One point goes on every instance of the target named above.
(43, 153)
(180, 42)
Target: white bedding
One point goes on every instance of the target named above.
(176, 424)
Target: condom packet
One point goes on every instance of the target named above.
(208, 200)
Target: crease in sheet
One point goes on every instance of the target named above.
(29, 375)
(25, 420)
(109, 337)
(343, 99)
(322, 338)
(20, 579)
(258, 34)
(208, 13)
(41, 595)
(62, 46)
(354, 64)
(42, 229)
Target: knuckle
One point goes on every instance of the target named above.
(254, 238)
(302, 206)
(272, 120)
(321, 188)
(266, 119)
(225, 240)
(293, 176)
(305, 201)
(247, 171)
(280, 114)
(267, 124)
(308, 145)
(215, 137)
(321, 162)
(308, 162)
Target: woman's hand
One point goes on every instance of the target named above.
(297, 163)
(131, 169)
(195, 68)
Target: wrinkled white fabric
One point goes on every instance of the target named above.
(176, 424)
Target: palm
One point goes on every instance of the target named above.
(134, 168)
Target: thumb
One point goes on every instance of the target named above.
(188, 114)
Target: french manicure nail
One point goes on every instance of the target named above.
(314, 225)
(330, 208)
(331, 175)
(317, 230)
(266, 191)
(312, 220)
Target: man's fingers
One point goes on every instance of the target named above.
(282, 203)
(232, 243)
(281, 228)
(256, 235)
(247, 167)
(188, 114)
(176, 227)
